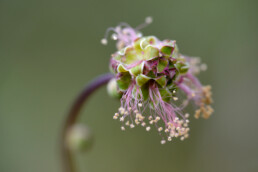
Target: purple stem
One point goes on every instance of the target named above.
(74, 113)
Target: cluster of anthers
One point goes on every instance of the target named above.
(149, 76)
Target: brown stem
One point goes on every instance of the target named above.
(68, 164)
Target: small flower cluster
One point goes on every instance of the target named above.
(149, 74)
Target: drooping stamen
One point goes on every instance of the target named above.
(148, 21)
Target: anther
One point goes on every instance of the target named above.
(121, 118)
(114, 36)
(148, 20)
(104, 41)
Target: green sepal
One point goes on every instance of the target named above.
(182, 67)
(150, 52)
(121, 69)
(170, 84)
(171, 65)
(130, 56)
(165, 94)
(142, 79)
(175, 53)
(161, 81)
(151, 74)
(145, 91)
(137, 69)
(163, 63)
(117, 57)
(167, 50)
(137, 45)
(124, 81)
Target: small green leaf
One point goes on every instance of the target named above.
(142, 79)
(163, 63)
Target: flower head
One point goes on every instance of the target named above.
(150, 74)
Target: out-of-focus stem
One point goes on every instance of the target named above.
(74, 113)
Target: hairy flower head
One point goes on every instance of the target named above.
(150, 74)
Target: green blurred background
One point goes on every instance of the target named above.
(50, 49)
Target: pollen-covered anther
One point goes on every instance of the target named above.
(193, 94)
(132, 126)
(166, 130)
(104, 41)
(123, 128)
(114, 36)
(121, 110)
(185, 125)
(122, 118)
(187, 115)
(169, 138)
(127, 123)
(140, 104)
(148, 128)
(157, 119)
(143, 124)
(115, 117)
(148, 20)
(150, 118)
(136, 122)
(175, 98)
(160, 129)
(151, 122)
(182, 138)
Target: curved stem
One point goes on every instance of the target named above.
(68, 164)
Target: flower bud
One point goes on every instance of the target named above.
(112, 89)
(79, 138)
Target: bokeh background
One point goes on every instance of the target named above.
(50, 49)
